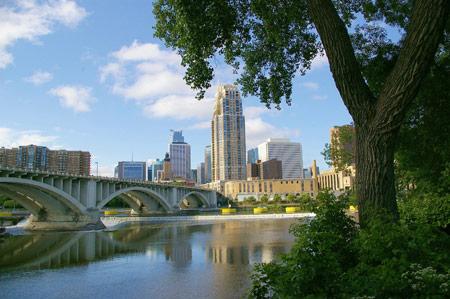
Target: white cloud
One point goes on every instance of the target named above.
(319, 61)
(153, 78)
(257, 131)
(180, 107)
(147, 51)
(39, 78)
(255, 111)
(28, 19)
(14, 138)
(320, 97)
(77, 98)
(105, 171)
(310, 85)
(200, 126)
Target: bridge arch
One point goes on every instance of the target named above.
(19, 185)
(198, 196)
(154, 195)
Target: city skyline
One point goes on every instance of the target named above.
(70, 83)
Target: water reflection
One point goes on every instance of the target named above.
(234, 243)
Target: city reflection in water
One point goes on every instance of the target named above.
(218, 255)
(227, 243)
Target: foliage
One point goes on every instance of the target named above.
(277, 198)
(305, 201)
(291, 198)
(423, 147)
(421, 207)
(264, 199)
(250, 199)
(340, 153)
(10, 204)
(117, 202)
(332, 258)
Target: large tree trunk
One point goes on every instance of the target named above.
(377, 120)
(375, 182)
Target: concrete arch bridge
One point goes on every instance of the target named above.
(66, 202)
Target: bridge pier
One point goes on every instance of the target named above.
(88, 221)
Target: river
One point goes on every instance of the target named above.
(172, 260)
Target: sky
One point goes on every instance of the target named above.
(89, 75)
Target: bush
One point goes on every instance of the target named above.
(250, 199)
(264, 199)
(291, 198)
(332, 258)
(277, 198)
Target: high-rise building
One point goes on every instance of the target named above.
(252, 155)
(208, 164)
(180, 156)
(43, 159)
(131, 170)
(201, 173)
(156, 166)
(167, 173)
(348, 145)
(228, 161)
(176, 136)
(289, 153)
(308, 172)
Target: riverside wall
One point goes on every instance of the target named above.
(110, 221)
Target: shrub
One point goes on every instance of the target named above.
(332, 258)
(277, 198)
(291, 198)
(264, 199)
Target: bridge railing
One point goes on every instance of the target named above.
(111, 179)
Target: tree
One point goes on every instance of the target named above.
(291, 197)
(276, 39)
(264, 199)
(277, 198)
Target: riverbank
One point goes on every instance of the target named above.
(110, 221)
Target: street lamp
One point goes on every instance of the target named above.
(97, 167)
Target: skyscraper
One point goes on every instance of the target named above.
(289, 153)
(252, 155)
(201, 173)
(180, 155)
(208, 164)
(228, 161)
(156, 166)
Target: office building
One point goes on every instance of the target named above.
(271, 169)
(166, 173)
(348, 145)
(201, 173)
(131, 170)
(180, 156)
(41, 158)
(228, 153)
(252, 156)
(289, 153)
(308, 172)
(156, 166)
(208, 164)
(270, 187)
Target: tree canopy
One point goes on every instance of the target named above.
(269, 42)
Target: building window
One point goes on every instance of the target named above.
(265, 186)
(270, 187)
(303, 186)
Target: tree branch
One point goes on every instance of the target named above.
(422, 39)
(343, 64)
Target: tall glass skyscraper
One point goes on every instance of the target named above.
(180, 156)
(228, 161)
(207, 164)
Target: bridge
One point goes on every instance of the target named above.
(59, 201)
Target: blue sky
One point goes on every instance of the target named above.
(89, 75)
